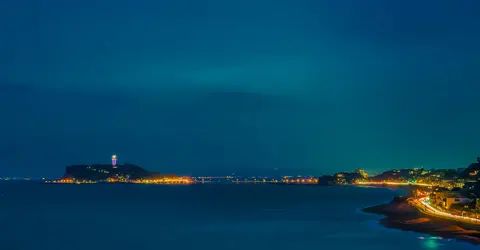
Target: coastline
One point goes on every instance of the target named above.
(398, 214)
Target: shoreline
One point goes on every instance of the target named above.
(398, 214)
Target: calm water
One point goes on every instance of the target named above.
(37, 216)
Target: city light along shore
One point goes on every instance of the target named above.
(134, 174)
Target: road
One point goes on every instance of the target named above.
(394, 183)
(422, 205)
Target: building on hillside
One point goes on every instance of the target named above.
(451, 183)
(473, 171)
(348, 177)
(447, 199)
(362, 172)
(394, 175)
(435, 195)
(472, 186)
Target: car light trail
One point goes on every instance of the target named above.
(393, 183)
(439, 213)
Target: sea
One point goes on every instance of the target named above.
(209, 216)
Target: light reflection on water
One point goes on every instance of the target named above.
(431, 243)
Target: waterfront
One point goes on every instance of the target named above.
(39, 216)
(424, 206)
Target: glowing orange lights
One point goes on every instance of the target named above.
(392, 183)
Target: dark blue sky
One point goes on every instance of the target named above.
(215, 87)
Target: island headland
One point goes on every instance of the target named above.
(124, 173)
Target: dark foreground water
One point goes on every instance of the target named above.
(39, 216)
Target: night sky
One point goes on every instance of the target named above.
(245, 86)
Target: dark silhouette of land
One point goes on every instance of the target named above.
(97, 172)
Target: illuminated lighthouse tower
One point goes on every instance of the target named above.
(114, 161)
